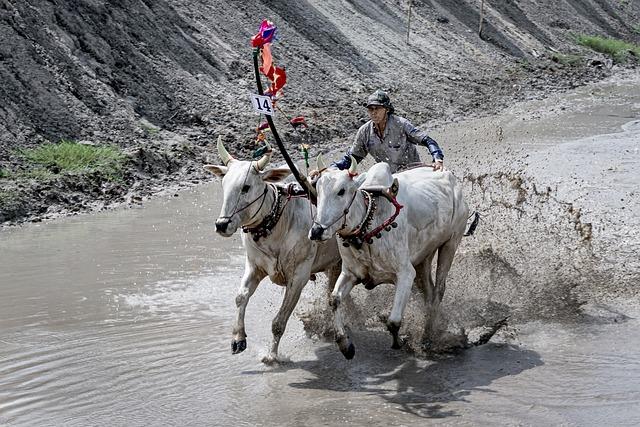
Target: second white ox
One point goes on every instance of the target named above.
(432, 220)
(275, 241)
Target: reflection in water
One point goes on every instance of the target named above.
(418, 387)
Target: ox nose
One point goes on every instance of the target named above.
(316, 232)
(221, 225)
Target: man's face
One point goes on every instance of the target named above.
(377, 113)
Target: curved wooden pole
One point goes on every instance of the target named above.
(306, 185)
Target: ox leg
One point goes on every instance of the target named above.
(404, 282)
(291, 297)
(424, 280)
(248, 285)
(445, 259)
(328, 329)
(332, 275)
(341, 291)
(435, 323)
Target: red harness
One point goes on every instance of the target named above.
(359, 236)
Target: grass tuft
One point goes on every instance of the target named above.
(71, 157)
(571, 60)
(619, 50)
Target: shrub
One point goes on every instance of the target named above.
(617, 49)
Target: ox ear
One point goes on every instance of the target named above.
(216, 170)
(275, 175)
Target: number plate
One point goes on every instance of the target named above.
(262, 104)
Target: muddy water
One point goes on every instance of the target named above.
(124, 318)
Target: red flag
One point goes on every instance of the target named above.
(279, 80)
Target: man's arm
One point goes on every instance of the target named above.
(419, 137)
(433, 148)
(358, 150)
(345, 162)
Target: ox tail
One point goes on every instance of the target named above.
(474, 223)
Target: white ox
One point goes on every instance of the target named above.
(283, 252)
(432, 220)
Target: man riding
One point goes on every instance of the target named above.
(389, 138)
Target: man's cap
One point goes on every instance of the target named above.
(379, 97)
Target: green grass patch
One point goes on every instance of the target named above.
(619, 50)
(4, 173)
(571, 60)
(71, 157)
(39, 173)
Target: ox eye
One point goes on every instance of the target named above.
(245, 188)
(341, 192)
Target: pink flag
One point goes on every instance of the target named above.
(267, 59)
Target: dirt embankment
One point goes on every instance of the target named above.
(162, 79)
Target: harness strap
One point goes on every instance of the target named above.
(371, 205)
(264, 228)
(359, 236)
(263, 195)
(344, 215)
(388, 222)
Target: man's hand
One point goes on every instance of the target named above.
(438, 165)
(314, 174)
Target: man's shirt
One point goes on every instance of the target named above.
(397, 146)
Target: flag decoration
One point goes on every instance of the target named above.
(276, 75)
(298, 121)
(278, 78)
(263, 64)
(266, 34)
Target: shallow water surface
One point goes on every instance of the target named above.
(124, 318)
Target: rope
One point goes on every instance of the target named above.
(263, 195)
(344, 215)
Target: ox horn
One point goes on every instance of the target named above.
(353, 167)
(264, 160)
(223, 153)
(320, 166)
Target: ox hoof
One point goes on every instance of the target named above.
(346, 347)
(349, 352)
(238, 346)
(394, 328)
